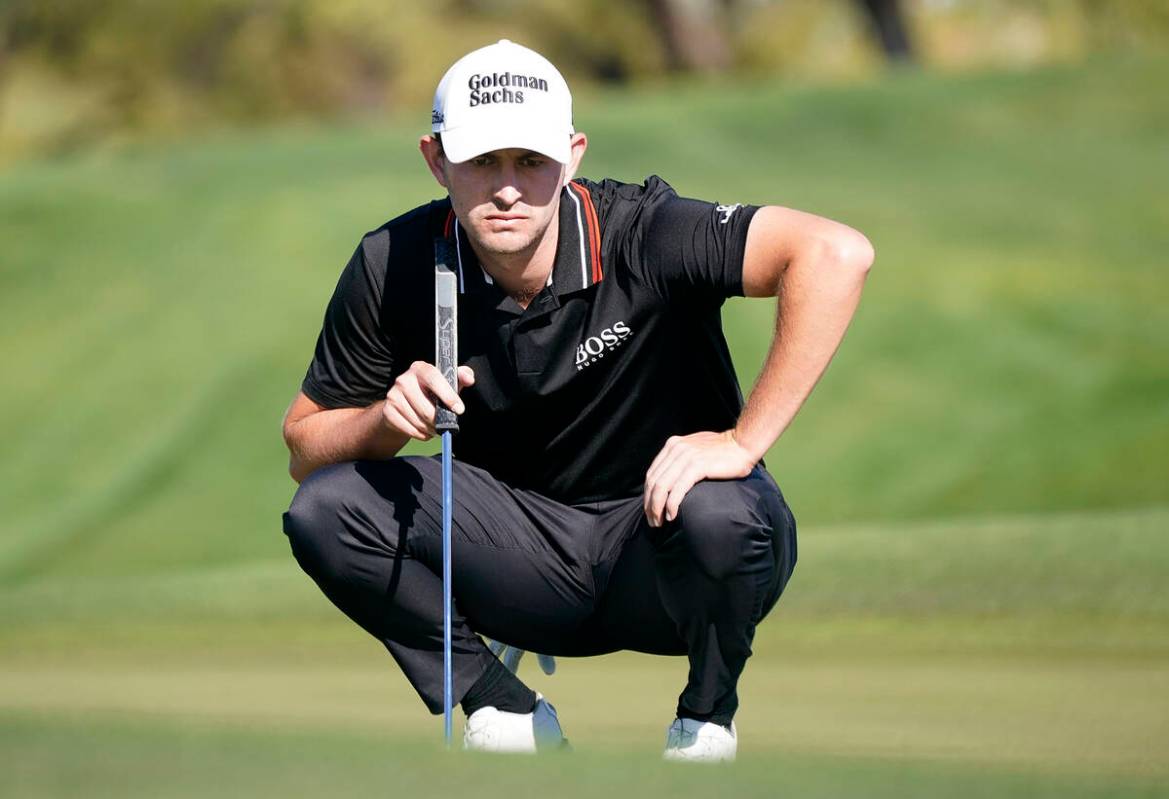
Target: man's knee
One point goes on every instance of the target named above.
(344, 513)
(317, 500)
(314, 520)
(726, 526)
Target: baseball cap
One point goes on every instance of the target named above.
(499, 96)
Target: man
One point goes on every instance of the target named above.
(609, 491)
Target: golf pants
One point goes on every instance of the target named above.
(546, 577)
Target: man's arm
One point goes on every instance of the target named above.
(317, 436)
(816, 267)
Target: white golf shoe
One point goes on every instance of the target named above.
(491, 730)
(700, 741)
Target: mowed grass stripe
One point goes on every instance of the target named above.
(159, 759)
(1060, 715)
(1023, 642)
(1106, 565)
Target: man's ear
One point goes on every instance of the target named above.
(579, 143)
(435, 158)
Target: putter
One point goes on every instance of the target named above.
(446, 423)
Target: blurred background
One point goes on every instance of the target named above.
(981, 480)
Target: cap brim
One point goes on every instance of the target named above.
(463, 144)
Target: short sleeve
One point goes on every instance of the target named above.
(353, 360)
(693, 250)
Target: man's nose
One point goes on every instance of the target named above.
(507, 192)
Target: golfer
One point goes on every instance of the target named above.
(609, 492)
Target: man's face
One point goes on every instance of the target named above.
(505, 199)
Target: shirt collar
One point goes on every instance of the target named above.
(578, 251)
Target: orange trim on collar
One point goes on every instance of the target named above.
(594, 226)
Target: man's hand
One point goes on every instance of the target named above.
(511, 656)
(410, 403)
(685, 460)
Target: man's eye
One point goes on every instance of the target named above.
(533, 162)
(481, 161)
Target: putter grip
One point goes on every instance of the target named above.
(446, 338)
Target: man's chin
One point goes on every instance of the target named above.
(506, 243)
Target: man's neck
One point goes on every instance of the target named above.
(522, 275)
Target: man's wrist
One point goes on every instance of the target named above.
(387, 439)
(743, 441)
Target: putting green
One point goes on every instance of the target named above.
(1005, 672)
(979, 607)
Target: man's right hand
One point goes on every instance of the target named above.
(410, 403)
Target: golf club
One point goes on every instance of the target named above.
(445, 422)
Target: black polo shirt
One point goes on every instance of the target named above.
(575, 395)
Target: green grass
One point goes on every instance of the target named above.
(120, 759)
(980, 479)
(1010, 655)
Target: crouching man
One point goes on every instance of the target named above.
(609, 490)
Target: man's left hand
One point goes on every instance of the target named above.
(685, 460)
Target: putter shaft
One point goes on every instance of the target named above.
(447, 681)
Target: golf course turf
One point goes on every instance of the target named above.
(979, 607)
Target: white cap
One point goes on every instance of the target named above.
(499, 96)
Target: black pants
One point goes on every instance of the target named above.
(546, 577)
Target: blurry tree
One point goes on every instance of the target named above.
(602, 40)
(697, 34)
(694, 33)
(75, 70)
(1123, 23)
(888, 23)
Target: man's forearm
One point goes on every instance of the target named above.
(818, 295)
(342, 434)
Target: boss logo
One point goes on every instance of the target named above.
(595, 347)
